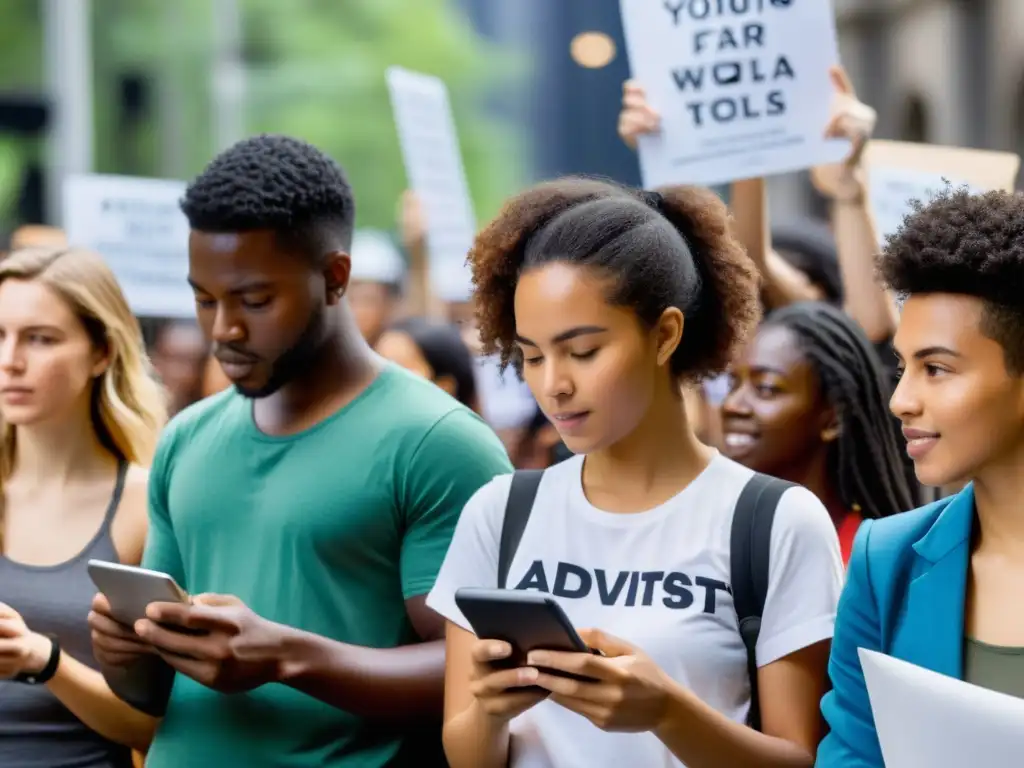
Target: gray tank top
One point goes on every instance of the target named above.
(36, 730)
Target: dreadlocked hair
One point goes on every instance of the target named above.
(866, 465)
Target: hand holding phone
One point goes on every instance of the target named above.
(129, 589)
(502, 691)
(525, 621)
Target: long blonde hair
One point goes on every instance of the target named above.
(129, 407)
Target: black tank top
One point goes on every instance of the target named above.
(36, 730)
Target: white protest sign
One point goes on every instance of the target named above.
(135, 224)
(900, 172)
(927, 719)
(742, 86)
(433, 164)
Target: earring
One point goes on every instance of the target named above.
(829, 434)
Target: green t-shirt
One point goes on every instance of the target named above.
(329, 530)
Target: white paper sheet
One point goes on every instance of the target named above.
(433, 165)
(742, 86)
(928, 720)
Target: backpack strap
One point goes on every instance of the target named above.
(517, 514)
(749, 561)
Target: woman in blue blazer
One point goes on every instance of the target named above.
(940, 586)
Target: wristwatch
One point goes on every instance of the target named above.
(46, 673)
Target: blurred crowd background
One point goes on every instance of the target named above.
(155, 88)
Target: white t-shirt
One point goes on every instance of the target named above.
(657, 579)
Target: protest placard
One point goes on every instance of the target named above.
(433, 165)
(899, 172)
(742, 86)
(137, 226)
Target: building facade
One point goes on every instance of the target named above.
(945, 72)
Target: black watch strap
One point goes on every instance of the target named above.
(46, 673)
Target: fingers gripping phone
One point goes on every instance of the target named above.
(130, 589)
(527, 621)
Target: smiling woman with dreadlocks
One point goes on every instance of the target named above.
(809, 403)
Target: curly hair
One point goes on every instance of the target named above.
(275, 183)
(671, 248)
(965, 244)
(866, 464)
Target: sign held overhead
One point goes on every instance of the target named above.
(433, 165)
(742, 86)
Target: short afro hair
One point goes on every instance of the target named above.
(967, 244)
(674, 247)
(276, 183)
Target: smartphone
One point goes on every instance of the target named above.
(525, 620)
(131, 589)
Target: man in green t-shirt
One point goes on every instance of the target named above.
(308, 508)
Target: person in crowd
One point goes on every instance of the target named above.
(799, 262)
(435, 351)
(808, 403)
(79, 420)
(179, 355)
(605, 299)
(307, 508)
(375, 291)
(938, 586)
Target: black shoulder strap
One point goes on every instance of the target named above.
(749, 562)
(517, 514)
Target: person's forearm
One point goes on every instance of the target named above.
(420, 299)
(781, 283)
(702, 737)
(867, 301)
(87, 695)
(474, 740)
(785, 284)
(748, 204)
(417, 285)
(392, 683)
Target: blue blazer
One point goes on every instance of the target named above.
(905, 589)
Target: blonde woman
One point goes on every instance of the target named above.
(79, 418)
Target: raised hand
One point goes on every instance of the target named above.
(849, 119)
(637, 116)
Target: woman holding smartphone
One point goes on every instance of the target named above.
(607, 299)
(79, 419)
